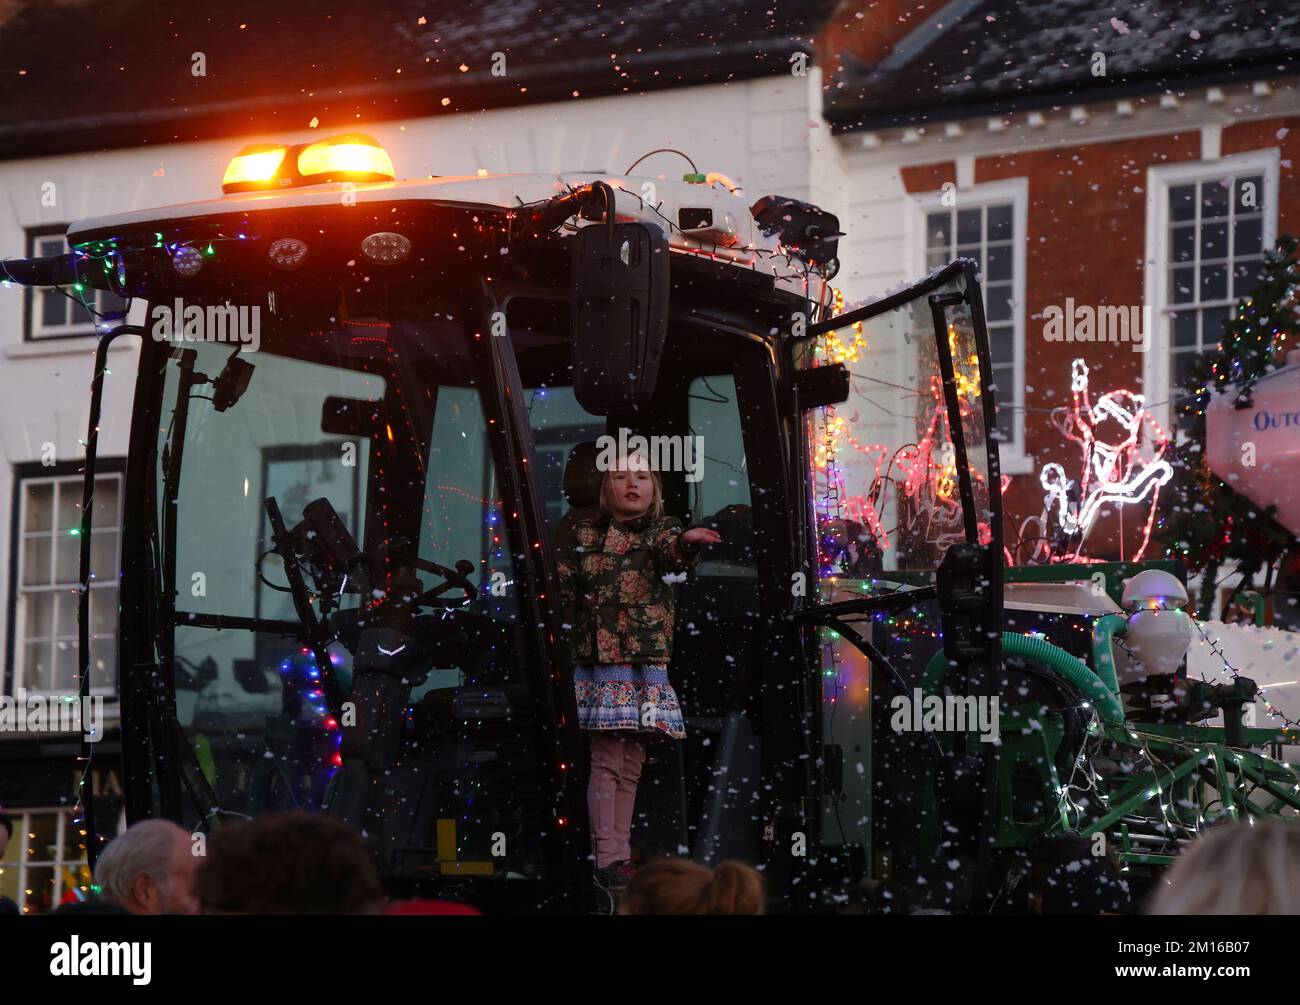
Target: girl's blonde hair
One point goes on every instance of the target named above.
(606, 485)
(1235, 869)
(677, 886)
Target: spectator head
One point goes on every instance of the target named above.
(289, 863)
(1235, 869)
(677, 886)
(149, 869)
(6, 831)
(1067, 877)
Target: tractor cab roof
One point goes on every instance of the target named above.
(699, 218)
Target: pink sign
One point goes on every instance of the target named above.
(1256, 450)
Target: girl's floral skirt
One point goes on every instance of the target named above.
(636, 697)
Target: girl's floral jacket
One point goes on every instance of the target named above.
(615, 602)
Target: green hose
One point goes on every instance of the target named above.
(1103, 632)
(1039, 650)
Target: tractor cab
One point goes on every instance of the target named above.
(368, 411)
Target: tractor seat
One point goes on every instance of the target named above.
(581, 489)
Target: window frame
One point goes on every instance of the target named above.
(1014, 192)
(1157, 366)
(34, 330)
(68, 472)
(22, 820)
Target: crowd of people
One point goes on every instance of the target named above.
(301, 863)
(304, 863)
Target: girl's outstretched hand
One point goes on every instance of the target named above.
(701, 535)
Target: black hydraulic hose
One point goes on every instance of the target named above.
(542, 218)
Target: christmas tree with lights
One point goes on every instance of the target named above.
(1206, 523)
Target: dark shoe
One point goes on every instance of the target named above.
(627, 868)
(615, 876)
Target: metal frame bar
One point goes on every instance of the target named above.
(84, 574)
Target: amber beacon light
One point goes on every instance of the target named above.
(254, 167)
(351, 157)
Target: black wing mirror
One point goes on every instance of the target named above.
(619, 315)
(822, 385)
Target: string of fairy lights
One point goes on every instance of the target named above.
(828, 349)
(1289, 726)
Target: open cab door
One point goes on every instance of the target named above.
(905, 507)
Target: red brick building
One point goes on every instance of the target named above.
(1084, 154)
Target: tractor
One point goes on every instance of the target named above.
(366, 411)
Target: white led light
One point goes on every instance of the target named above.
(287, 252)
(386, 247)
(187, 261)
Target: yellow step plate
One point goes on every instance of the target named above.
(447, 863)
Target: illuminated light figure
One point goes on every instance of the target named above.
(1122, 449)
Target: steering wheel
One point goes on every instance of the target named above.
(457, 578)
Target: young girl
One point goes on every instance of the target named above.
(620, 618)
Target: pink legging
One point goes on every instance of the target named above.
(616, 760)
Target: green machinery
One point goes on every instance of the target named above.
(1146, 787)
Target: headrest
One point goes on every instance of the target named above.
(581, 479)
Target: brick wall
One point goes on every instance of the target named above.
(1086, 239)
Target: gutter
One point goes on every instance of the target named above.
(1075, 93)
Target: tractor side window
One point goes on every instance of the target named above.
(392, 431)
(717, 476)
(559, 424)
(462, 517)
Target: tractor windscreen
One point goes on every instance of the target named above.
(893, 487)
(328, 514)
